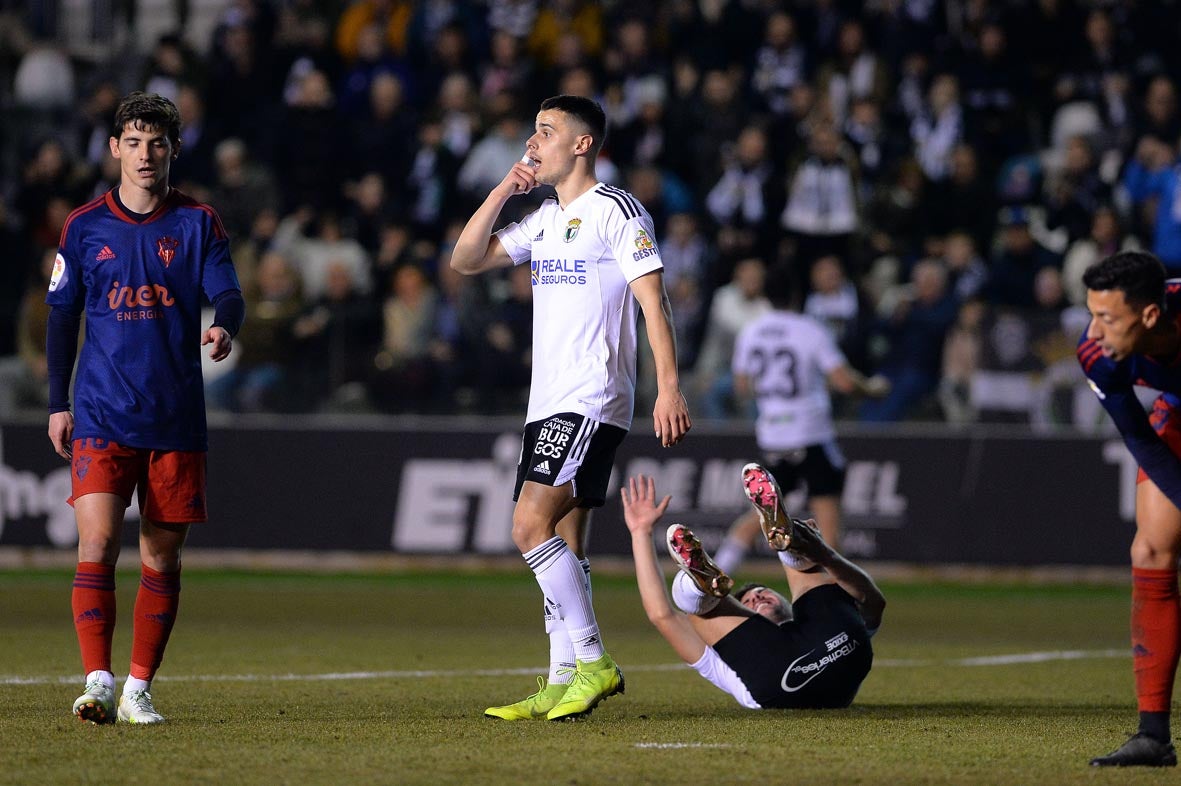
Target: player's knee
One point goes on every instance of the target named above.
(99, 547)
(528, 532)
(1148, 553)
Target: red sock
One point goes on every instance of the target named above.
(155, 612)
(93, 602)
(1156, 636)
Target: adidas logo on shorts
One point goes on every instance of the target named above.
(543, 468)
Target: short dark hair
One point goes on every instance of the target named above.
(778, 287)
(147, 110)
(740, 593)
(1138, 274)
(587, 110)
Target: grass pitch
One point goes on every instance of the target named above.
(341, 679)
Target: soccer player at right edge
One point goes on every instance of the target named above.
(811, 652)
(1134, 338)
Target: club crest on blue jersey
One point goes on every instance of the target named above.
(572, 227)
(166, 249)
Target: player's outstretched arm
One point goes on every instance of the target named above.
(807, 542)
(476, 250)
(670, 416)
(640, 513)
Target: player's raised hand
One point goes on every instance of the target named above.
(807, 542)
(640, 509)
(219, 337)
(670, 418)
(61, 433)
(521, 179)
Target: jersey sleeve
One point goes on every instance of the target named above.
(828, 355)
(517, 238)
(1112, 383)
(67, 289)
(632, 239)
(218, 275)
(711, 666)
(742, 361)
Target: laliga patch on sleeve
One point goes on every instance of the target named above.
(1095, 388)
(59, 272)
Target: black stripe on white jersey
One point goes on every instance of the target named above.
(621, 198)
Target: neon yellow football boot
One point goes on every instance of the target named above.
(593, 682)
(534, 707)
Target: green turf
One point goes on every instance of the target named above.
(922, 716)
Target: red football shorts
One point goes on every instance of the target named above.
(170, 483)
(1166, 422)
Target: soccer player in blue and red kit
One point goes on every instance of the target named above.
(1134, 338)
(138, 262)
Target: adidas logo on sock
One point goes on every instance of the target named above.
(543, 467)
(105, 254)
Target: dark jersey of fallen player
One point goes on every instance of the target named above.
(1115, 383)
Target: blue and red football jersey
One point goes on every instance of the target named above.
(141, 287)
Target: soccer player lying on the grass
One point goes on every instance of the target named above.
(754, 644)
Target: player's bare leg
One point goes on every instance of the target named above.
(1156, 629)
(826, 510)
(100, 520)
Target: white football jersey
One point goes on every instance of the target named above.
(582, 258)
(788, 357)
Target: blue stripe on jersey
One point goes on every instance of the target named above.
(622, 199)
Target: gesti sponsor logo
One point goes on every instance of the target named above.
(644, 246)
(143, 302)
(558, 271)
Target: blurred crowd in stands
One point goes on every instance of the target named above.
(934, 175)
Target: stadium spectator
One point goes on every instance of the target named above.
(914, 332)
(740, 640)
(1105, 238)
(316, 245)
(837, 303)
(938, 128)
(961, 361)
(749, 193)
(243, 189)
(780, 64)
(404, 378)
(259, 380)
(733, 306)
(822, 207)
(1154, 185)
(1017, 260)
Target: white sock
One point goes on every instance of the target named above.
(107, 678)
(135, 683)
(689, 598)
(730, 555)
(794, 561)
(564, 583)
(561, 651)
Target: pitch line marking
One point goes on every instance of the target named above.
(986, 660)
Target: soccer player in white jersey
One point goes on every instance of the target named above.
(753, 643)
(593, 256)
(788, 361)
